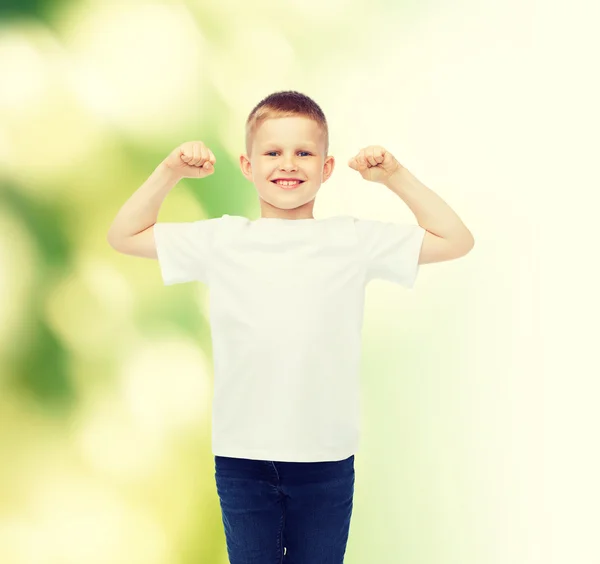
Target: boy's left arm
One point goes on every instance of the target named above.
(446, 236)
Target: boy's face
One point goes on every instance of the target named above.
(290, 147)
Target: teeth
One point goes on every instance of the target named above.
(287, 183)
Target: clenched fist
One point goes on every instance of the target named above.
(375, 164)
(192, 159)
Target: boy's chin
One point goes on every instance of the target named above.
(286, 203)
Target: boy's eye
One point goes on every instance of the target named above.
(271, 152)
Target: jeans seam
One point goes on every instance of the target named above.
(280, 539)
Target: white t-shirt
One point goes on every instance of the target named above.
(286, 304)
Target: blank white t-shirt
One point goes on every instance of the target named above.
(286, 300)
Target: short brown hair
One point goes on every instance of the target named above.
(288, 103)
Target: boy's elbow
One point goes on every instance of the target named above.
(468, 242)
(114, 240)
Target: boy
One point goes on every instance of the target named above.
(286, 305)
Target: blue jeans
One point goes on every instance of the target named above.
(285, 512)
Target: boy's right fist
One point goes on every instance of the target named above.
(192, 159)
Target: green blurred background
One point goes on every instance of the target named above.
(106, 375)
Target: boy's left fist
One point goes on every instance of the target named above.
(375, 163)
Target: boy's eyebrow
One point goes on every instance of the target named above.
(276, 143)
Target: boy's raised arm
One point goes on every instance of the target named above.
(190, 160)
(140, 211)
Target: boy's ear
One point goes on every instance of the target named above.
(246, 167)
(328, 167)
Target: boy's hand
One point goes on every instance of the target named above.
(375, 164)
(192, 159)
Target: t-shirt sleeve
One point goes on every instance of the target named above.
(390, 250)
(185, 250)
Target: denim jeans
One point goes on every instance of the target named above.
(285, 512)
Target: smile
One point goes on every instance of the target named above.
(287, 184)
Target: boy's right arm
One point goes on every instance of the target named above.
(138, 245)
(132, 231)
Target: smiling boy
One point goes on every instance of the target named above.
(286, 310)
(290, 147)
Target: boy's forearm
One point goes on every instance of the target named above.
(140, 211)
(432, 213)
